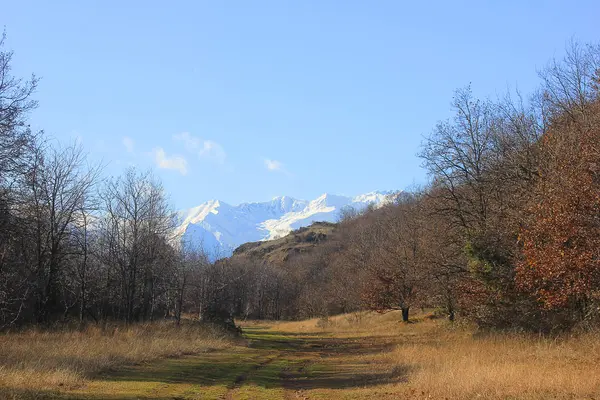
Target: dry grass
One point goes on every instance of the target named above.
(355, 356)
(363, 323)
(37, 360)
(455, 365)
(457, 362)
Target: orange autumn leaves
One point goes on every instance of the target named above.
(561, 240)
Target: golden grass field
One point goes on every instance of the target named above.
(354, 356)
(34, 363)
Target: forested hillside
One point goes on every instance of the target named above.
(505, 234)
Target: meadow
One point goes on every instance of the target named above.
(352, 356)
(36, 363)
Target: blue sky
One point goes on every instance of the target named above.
(247, 100)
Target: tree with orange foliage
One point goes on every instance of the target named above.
(561, 242)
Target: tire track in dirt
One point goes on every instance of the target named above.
(292, 391)
(240, 379)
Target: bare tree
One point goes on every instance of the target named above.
(395, 262)
(189, 285)
(57, 191)
(136, 227)
(15, 104)
(570, 84)
(16, 141)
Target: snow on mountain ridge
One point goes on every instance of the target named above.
(219, 228)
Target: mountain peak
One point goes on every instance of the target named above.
(220, 227)
(281, 198)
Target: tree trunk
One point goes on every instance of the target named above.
(450, 311)
(52, 293)
(179, 305)
(405, 314)
(81, 303)
(451, 316)
(178, 311)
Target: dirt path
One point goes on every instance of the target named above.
(271, 365)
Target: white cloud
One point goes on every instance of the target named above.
(175, 162)
(273, 165)
(128, 143)
(205, 149)
(213, 151)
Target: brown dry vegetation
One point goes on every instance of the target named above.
(280, 250)
(441, 360)
(352, 356)
(36, 360)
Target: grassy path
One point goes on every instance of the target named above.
(354, 364)
(365, 356)
(271, 365)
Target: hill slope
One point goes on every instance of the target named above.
(278, 251)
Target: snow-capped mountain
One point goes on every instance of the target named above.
(219, 228)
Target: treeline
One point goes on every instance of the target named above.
(506, 234)
(77, 247)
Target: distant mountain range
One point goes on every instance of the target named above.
(219, 228)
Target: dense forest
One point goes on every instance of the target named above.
(505, 234)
